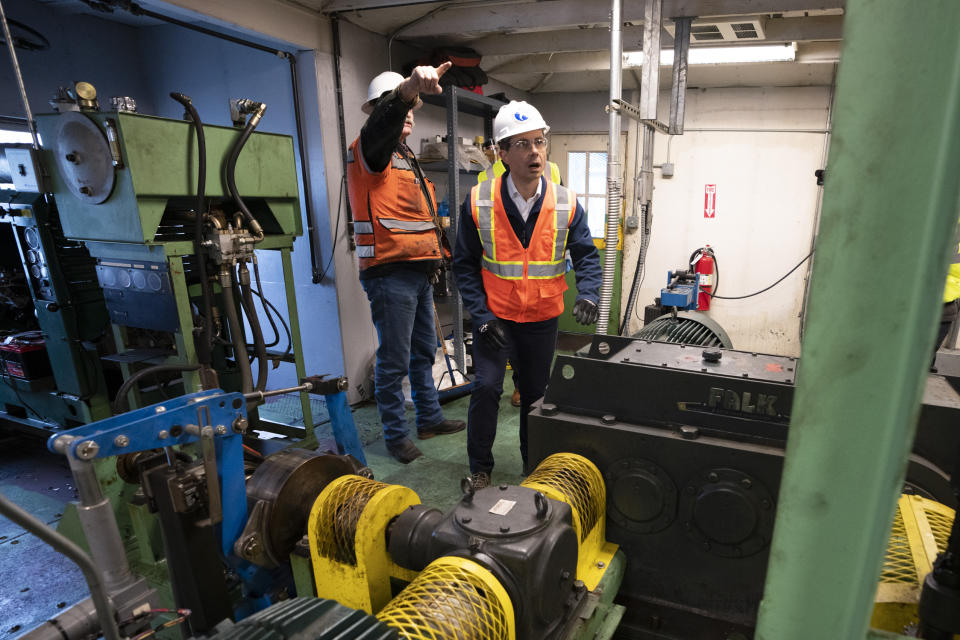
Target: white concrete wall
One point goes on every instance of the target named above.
(761, 148)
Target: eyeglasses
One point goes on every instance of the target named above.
(524, 145)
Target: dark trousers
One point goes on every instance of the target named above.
(530, 348)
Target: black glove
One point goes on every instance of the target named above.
(493, 334)
(585, 311)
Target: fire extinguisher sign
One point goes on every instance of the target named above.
(710, 201)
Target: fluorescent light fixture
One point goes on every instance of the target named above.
(8, 136)
(722, 55)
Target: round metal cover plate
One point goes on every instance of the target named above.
(83, 157)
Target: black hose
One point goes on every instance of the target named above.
(61, 544)
(204, 355)
(231, 168)
(266, 307)
(259, 348)
(120, 400)
(236, 332)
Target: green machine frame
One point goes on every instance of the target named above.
(889, 212)
(155, 161)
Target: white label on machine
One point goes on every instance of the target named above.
(503, 507)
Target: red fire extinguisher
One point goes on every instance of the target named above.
(702, 262)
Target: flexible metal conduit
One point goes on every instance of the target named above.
(614, 178)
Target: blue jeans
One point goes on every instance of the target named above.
(401, 304)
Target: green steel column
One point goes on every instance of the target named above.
(291, 293)
(889, 211)
(185, 344)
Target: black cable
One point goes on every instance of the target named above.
(336, 230)
(119, 404)
(16, 392)
(266, 309)
(42, 44)
(756, 293)
(204, 355)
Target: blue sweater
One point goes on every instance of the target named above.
(467, 255)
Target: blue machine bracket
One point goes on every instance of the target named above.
(179, 421)
(680, 292)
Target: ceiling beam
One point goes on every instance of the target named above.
(335, 6)
(600, 60)
(598, 39)
(467, 19)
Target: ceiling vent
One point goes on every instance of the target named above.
(738, 29)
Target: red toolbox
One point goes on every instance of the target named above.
(24, 355)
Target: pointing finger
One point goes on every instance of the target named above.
(442, 69)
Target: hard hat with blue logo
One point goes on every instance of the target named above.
(517, 117)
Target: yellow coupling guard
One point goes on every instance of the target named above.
(453, 598)
(348, 543)
(573, 479)
(921, 529)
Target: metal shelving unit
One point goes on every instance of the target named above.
(456, 101)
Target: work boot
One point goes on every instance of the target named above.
(441, 429)
(404, 451)
(479, 480)
(515, 398)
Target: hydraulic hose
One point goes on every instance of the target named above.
(246, 300)
(61, 544)
(266, 309)
(120, 400)
(206, 336)
(236, 332)
(231, 168)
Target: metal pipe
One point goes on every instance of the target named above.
(62, 545)
(614, 177)
(236, 332)
(16, 70)
(260, 395)
(342, 130)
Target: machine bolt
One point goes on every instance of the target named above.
(746, 483)
(121, 441)
(746, 375)
(609, 419)
(240, 425)
(87, 449)
(221, 430)
(85, 190)
(163, 435)
(71, 157)
(503, 487)
(61, 605)
(251, 548)
(601, 564)
(712, 355)
(160, 409)
(688, 432)
(564, 575)
(712, 476)
(504, 529)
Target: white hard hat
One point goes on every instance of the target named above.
(517, 117)
(386, 81)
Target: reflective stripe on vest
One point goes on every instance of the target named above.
(407, 225)
(363, 227)
(484, 216)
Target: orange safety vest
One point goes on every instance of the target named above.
(391, 218)
(523, 285)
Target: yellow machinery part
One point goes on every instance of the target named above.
(452, 599)
(573, 479)
(920, 531)
(348, 542)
